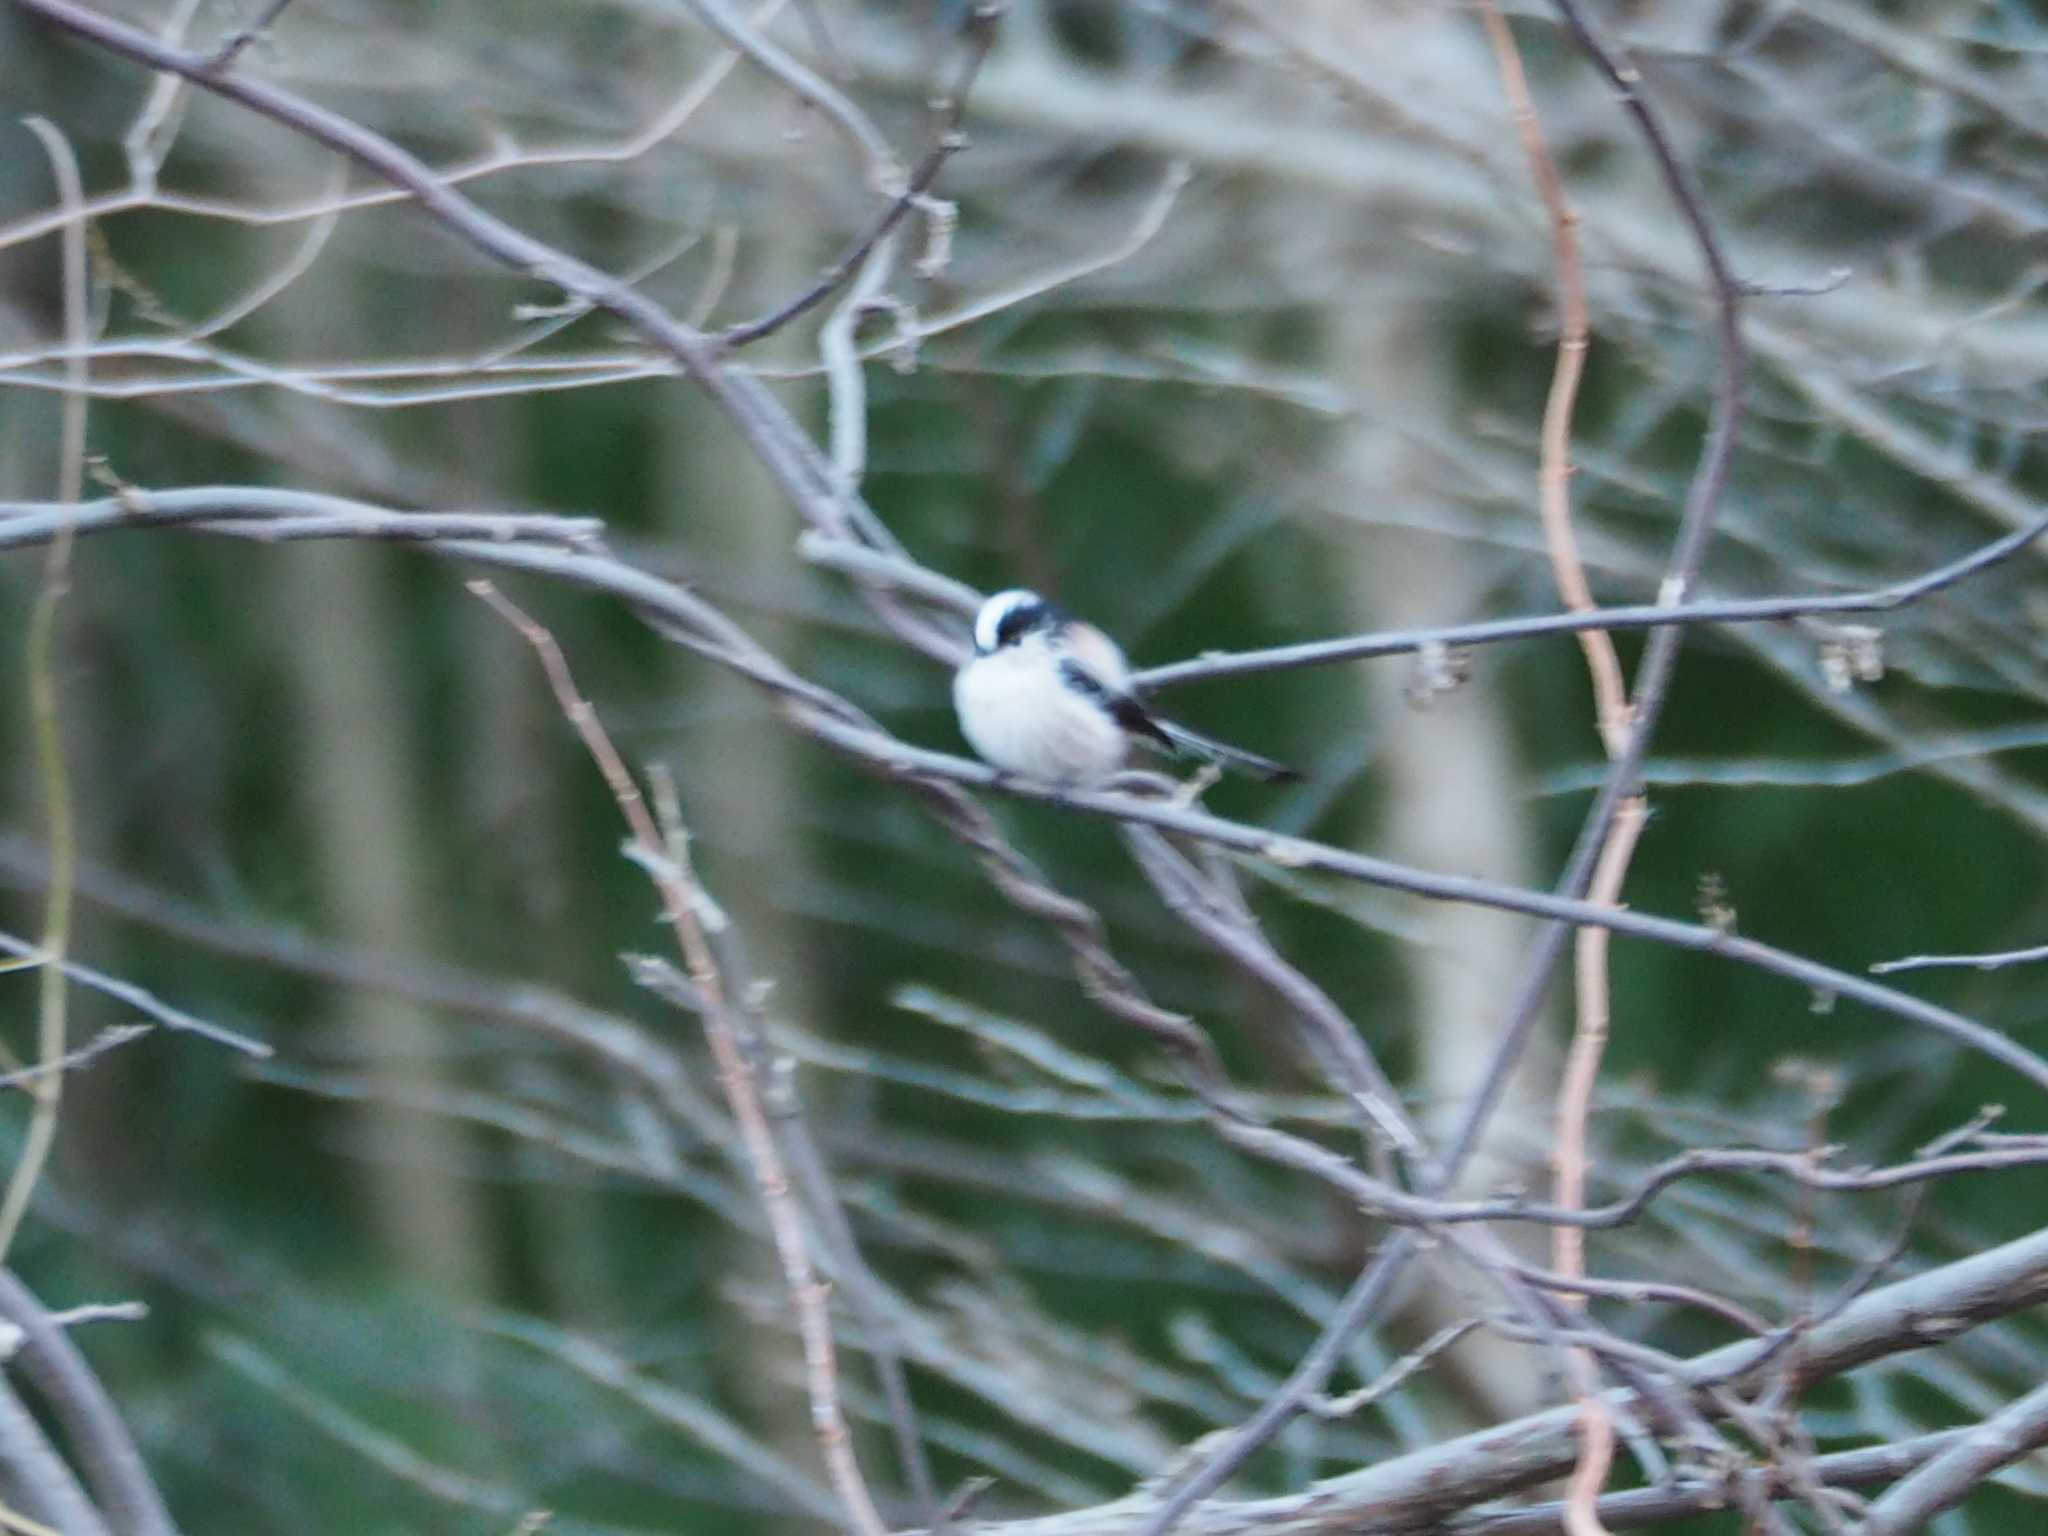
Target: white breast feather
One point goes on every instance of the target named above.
(1018, 715)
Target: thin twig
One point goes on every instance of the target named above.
(129, 995)
(1574, 1110)
(1395, 1374)
(231, 47)
(1653, 676)
(1741, 610)
(1648, 1291)
(948, 140)
(735, 1073)
(268, 514)
(1610, 693)
(748, 1021)
(101, 1312)
(46, 1088)
(1996, 960)
(84, 1056)
(1804, 1168)
(807, 86)
(1611, 719)
(377, 1446)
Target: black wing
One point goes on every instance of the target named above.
(1178, 739)
(1125, 710)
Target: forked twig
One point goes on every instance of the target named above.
(948, 139)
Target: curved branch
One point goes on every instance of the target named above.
(1392, 1204)
(92, 1425)
(34, 1478)
(1947, 1478)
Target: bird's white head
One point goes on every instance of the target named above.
(1008, 617)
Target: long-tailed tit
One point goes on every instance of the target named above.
(1047, 697)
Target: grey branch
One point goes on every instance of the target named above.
(1422, 1490)
(1641, 1507)
(34, 1479)
(142, 1001)
(1985, 962)
(113, 1467)
(1745, 610)
(684, 617)
(111, 1039)
(259, 512)
(1947, 1478)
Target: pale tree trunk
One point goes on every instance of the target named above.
(1447, 775)
(358, 773)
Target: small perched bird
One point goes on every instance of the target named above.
(1047, 697)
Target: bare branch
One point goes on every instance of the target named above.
(444, 1485)
(263, 513)
(690, 621)
(232, 45)
(1423, 1490)
(46, 1088)
(698, 1420)
(82, 1056)
(1317, 653)
(1644, 1507)
(141, 1000)
(52, 1364)
(687, 915)
(863, 1290)
(1946, 1478)
(1394, 1375)
(809, 87)
(34, 1477)
(1738, 1431)
(1997, 960)
(948, 141)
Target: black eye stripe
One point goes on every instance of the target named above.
(1011, 616)
(1018, 622)
(1025, 619)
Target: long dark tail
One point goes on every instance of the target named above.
(1196, 744)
